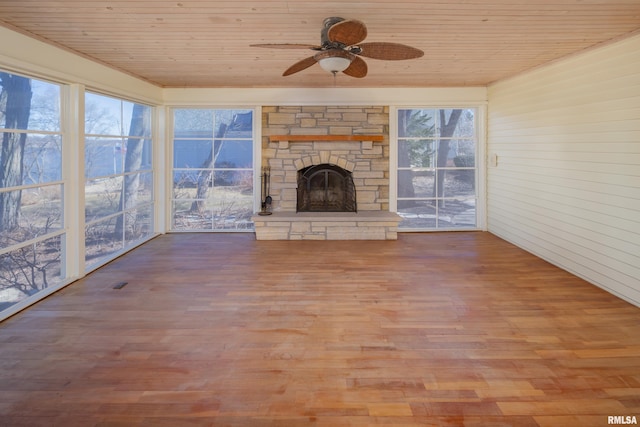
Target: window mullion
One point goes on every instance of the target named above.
(73, 169)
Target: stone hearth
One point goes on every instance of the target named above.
(369, 225)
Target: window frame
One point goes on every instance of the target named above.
(480, 163)
(256, 150)
(61, 232)
(150, 138)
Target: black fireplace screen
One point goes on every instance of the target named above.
(326, 188)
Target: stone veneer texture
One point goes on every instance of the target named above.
(368, 161)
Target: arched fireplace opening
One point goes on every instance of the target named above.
(326, 188)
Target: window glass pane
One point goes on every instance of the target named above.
(138, 224)
(103, 115)
(465, 127)
(416, 123)
(11, 204)
(463, 154)
(17, 89)
(12, 159)
(98, 120)
(457, 213)
(417, 214)
(459, 153)
(184, 218)
(228, 205)
(39, 156)
(102, 241)
(234, 123)
(231, 199)
(30, 269)
(192, 153)
(45, 106)
(39, 213)
(183, 181)
(142, 183)
(192, 184)
(416, 153)
(459, 183)
(416, 183)
(193, 123)
(127, 113)
(35, 103)
(136, 119)
(235, 154)
(41, 210)
(42, 159)
(237, 180)
(136, 155)
(138, 189)
(102, 197)
(103, 156)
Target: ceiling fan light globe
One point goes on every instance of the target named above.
(334, 64)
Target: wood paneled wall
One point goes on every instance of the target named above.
(564, 165)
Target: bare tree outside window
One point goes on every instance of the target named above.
(15, 107)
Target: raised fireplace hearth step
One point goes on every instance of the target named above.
(364, 225)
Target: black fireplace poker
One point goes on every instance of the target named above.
(266, 198)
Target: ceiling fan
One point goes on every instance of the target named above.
(341, 49)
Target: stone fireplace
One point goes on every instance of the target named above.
(329, 173)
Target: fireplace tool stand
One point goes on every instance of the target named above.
(265, 197)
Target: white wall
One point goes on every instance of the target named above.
(566, 185)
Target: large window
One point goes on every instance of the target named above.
(212, 170)
(31, 189)
(119, 177)
(436, 169)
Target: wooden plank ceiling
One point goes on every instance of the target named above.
(197, 43)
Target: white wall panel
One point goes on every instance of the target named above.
(566, 184)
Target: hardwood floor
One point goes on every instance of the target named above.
(441, 329)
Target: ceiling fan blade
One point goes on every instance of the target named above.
(389, 51)
(287, 46)
(358, 68)
(347, 32)
(300, 65)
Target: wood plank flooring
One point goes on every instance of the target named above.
(440, 329)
